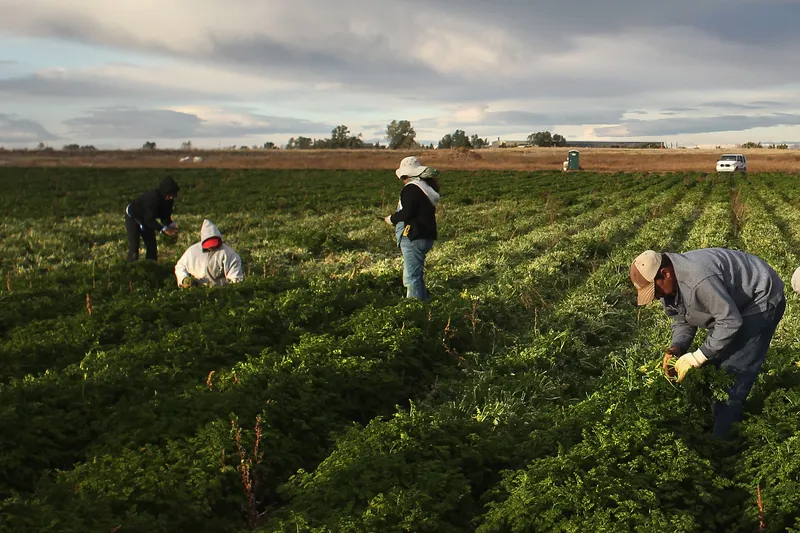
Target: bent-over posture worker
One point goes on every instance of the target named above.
(209, 262)
(142, 218)
(736, 296)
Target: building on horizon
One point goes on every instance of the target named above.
(584, 144)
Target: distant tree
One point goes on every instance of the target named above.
(149, 146)
(782, 147)
(301, 143)
(400, 134)
(269, 145)
(559, 140)
(88, 148)
(541, 138)
(186, 145)
(321, 144)
(354, 141)
(243, 147)
(751, 144)
(71, 147)
(340, 136)
(478, 143)
(458, 139)
(41, 146)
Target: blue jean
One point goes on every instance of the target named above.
(414, 266)
(748, 352)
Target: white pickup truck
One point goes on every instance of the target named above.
(732, 163)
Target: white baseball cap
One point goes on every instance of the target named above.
(643, 274)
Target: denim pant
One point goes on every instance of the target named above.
(414, 266)
(749, 350)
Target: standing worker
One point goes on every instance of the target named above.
(209, 262)
(736, 296)
(142, 218)
(415, 222)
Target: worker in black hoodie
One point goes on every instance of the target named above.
(415, 222)
(142, 218)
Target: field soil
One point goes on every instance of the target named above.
(596, 160)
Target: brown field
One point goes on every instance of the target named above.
(598, 159)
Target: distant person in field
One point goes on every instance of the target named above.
(151, 212)
(209, 262)
(415, 222)
(736, 296)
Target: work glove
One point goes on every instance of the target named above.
(688, 361)
(187, 282)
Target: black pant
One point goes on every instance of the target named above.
(135, 232)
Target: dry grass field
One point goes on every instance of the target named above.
(596, 160)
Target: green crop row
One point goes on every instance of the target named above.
(527, 396)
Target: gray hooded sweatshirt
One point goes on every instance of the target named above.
(209, 267)
(716, 288)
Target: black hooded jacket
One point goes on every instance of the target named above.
(152, 205)
(418, 213)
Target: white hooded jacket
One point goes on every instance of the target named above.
(209, 267)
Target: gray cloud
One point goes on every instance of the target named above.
(763, 22)
(736, 105)
(498, 121)
(18, 130)
(687, 125)
(571, 63)
(128, 122)
(93, 87)
(769, 103)
(569, 118)
(377, 60)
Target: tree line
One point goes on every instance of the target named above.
(400, 134)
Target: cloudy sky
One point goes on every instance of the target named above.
(117, 74)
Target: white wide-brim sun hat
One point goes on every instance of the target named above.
(411, 167)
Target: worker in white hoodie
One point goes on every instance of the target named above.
(209, 262)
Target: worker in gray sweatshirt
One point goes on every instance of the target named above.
(736, 296)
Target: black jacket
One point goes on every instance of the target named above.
(418, 213)
(152, 205)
